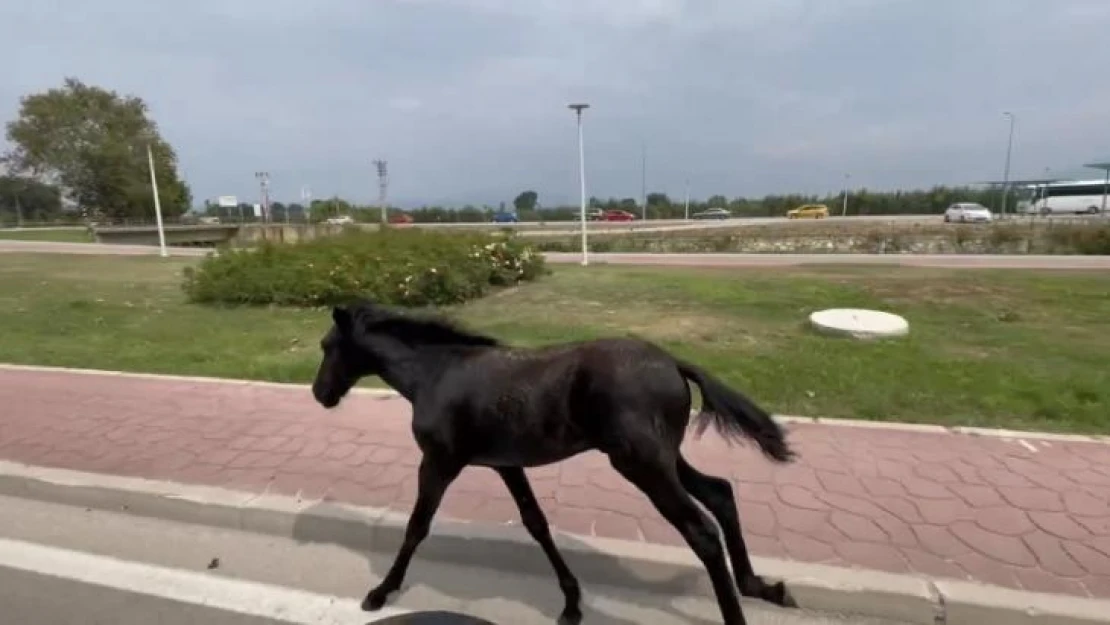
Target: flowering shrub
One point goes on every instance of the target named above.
(410, 267)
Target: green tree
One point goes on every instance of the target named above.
(28, 200)
(92, 142)
(526, 201)
(333, 207)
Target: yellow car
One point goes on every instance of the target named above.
(813, 211)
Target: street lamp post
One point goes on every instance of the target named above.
(578, 108)
(844, 211)
(157, 203)
(1006, 172)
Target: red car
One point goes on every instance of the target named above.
(617, 215)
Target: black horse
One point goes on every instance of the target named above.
(478, 402)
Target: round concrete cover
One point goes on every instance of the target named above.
(859, 323)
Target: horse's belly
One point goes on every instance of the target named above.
(525, 455)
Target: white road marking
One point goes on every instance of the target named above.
(1026, 444)
(218, 592)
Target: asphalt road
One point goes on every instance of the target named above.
(63, 565)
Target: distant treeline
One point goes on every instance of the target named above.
(659, 206)
(527, 207)
(35, 201)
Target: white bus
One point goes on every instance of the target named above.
(1074, 196)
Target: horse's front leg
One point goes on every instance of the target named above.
(435, 475)
(536, 523)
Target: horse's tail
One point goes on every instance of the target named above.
(734, 415)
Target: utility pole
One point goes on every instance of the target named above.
(643, 179)
(264, 183)
(383, 186)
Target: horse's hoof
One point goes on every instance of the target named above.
(570, 617)
(374, 600)
(776, 593)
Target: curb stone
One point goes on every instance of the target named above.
(596, 561)
(387, 393)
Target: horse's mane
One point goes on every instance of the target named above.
(426, 329)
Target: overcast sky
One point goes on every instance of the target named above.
(467, 98)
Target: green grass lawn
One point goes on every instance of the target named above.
(67, 235)
(1021, 349)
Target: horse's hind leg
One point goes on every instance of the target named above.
(716, 495)
(536, 523)
(434, 478)
(655, 474)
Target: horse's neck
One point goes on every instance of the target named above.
(399, 366)
(407, 368)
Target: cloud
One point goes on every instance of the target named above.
(467, 98)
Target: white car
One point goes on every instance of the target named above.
(964, 212)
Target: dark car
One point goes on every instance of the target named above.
(505, 218)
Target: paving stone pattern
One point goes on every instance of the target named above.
(1031, 514)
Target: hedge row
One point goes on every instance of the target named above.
(1012, 237)
(409, 267)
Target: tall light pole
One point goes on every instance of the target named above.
(844, 211)
(157, 203)
(578, 108)
(643, 179)
(1006, 172)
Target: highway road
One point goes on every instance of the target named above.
(949, 261)
(64, 565)
(560, 228)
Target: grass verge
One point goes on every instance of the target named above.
(1000, 348)
(60, 235)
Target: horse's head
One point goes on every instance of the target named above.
(367, 338)
(344, 360)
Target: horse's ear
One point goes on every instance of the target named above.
(343, 319)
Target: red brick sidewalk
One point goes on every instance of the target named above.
(1025, 514)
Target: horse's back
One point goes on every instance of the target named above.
(528, 407)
